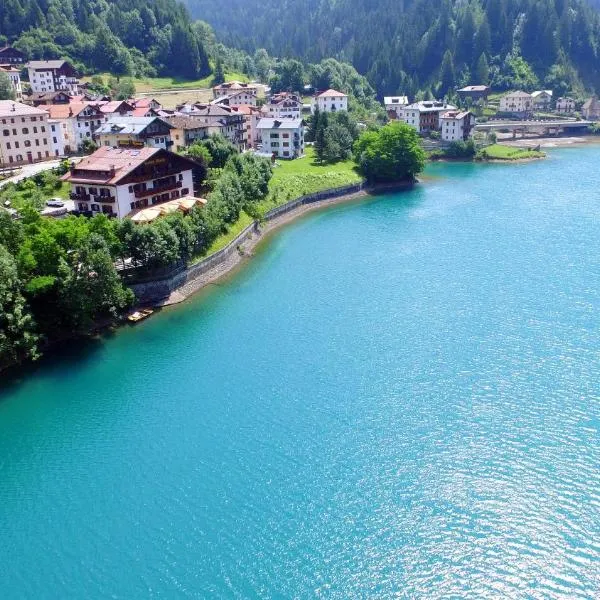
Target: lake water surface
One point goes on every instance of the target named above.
(397, 398)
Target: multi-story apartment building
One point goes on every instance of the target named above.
(82, 119)
(225, 120)
(24, 134)
(282, 138)
(234, 87)
(52, 76)
(456, 125)
(283, 106)
(117, 181)
(424, 116)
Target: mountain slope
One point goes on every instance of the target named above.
(142, 37)
(406, 45)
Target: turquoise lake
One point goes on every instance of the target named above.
(397, 397)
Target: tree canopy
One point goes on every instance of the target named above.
(391, 153)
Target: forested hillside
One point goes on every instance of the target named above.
(428, 45)
(137, 37)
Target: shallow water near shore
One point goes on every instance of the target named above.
(398, 397)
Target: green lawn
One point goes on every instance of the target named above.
(18, 198)
(301, 176)
(500, 152)
(234, 230)
(157, 84)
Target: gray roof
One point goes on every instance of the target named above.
(46, 64)
(279, 123)
(130, 125)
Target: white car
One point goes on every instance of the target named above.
(55, 202)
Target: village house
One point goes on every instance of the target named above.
(24, 133)
(282, 106)
(117, 181)
(186, 131)
(14, 74)
(542, 99)
(456, 125)
(474, 93)
(282, 138)
(424, 116)
(239, 98)
(234, 87)
(518, 104)
(565, 105)
(46, 98)
(220, 119)
(591, 109)
(116, 108)
(393, 104)
(330, 101)
(144, 103)
(82, 119)
(11, 56)
(135, 132)
(52, 76)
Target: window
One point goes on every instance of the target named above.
(8, 145)
(180, 176)
(16, 144)
(6, 132)
(54, 140)
(185, 191)
(43, 129)
(95, 208)
(39, 155)
(156, 140)
(14, 132)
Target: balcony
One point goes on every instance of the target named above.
(103, 199)
(157, 174)
(79, 197)
(158, 190)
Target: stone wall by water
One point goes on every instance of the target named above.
(159, 288)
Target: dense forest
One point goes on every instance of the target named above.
(429, 46)
(125, 37)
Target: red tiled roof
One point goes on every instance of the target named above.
(332, 93)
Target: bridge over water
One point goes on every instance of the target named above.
(541, 127)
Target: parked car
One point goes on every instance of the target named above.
(55, 202)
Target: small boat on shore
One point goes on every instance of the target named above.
(139, 315)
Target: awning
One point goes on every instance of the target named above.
(146, 215)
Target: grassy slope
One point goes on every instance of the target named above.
(18, 198)
(499, 152)
(291, 179)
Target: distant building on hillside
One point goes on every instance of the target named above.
(330, 101)
(591, 109)
(52, 76)
(135, 132)
(518, 104)
(117, 181)
(237, 98)
(11, 56)
(474, 92)
(424, 116)
(457, 125)
(234, 87)
(14, 74)
(393, 104)
(542, 99)
(46, 98)
(565, 105)
(24, 134)
(282, 138)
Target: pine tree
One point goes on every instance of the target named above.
(482, 71)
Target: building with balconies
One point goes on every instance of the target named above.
(80, 119)
(117, 181)
(52, 76)
(225, 120)
(516, 104)
(14, 76)
(135, 132)
(282, 138)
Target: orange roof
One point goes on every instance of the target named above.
(64, 111)
(332, 93)
(10, 108)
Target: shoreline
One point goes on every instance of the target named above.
(261, 234)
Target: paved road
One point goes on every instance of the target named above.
(29, 170)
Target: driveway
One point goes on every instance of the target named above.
(29, 170)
